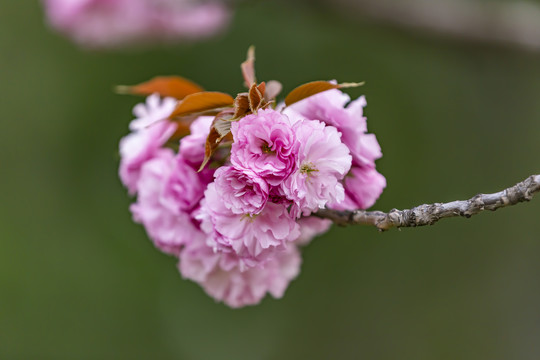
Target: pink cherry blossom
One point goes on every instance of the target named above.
(168, 191)
(192, 145)
(325, 106)
(264, 143)
(151, 132)
(139, 147)
(113, 23)
(322, 162)
(221, 276)
(153, 110)
(237, 225)
(329, 107)
(242, 191)
(184, 187)
(253, 237)
(311, 227)
(363, 186)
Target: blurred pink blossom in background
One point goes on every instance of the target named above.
(113, 23)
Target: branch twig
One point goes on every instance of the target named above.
(428, 214)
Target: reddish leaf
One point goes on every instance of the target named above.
(219, 130)
(241, 105)
(255, 97)
(202, 102)
(267, 104)
(223, 128)
(248, 68)
(262, 88)
(212, 142)
(173, 86)
(314, 87)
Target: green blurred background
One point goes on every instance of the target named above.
(80, 280)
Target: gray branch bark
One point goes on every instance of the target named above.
(428, 214)
(514, 23)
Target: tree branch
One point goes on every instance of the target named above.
(514, 23)
(428, 214)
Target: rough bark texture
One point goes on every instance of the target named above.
(428, 214)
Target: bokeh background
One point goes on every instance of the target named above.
(80, 280)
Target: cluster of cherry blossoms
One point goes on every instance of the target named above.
(230, 185)
(112, 23)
